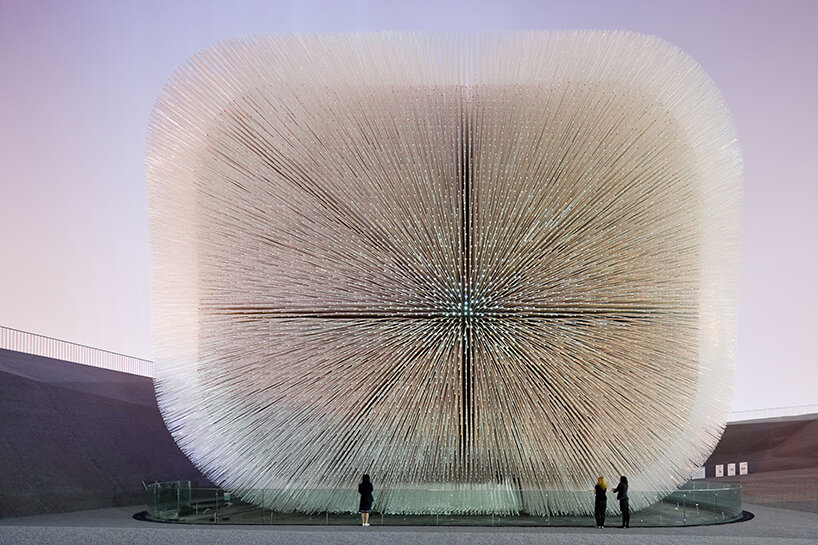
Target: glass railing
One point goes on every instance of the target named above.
(693, 504)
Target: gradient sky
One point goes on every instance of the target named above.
(78, 81)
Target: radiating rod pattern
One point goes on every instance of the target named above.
(495, 265)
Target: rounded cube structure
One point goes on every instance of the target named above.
(485, 269)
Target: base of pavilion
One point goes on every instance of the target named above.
(695, 504)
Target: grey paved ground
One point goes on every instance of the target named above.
(115, 526)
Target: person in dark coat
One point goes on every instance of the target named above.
(601, 501)
(622, 495)
(365, 489)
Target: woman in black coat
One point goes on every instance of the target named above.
(365, 489)
(600, 501)
(622, 495)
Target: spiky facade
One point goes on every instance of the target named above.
(496, 265)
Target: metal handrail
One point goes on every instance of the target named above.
(41, 345)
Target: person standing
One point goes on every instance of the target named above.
(622, 495)
(365, 489)
(601, 501)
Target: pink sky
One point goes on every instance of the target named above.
(78, 81)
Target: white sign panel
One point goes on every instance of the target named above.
(698, 473)
(731, 470)
(720, 470)
(742, 468)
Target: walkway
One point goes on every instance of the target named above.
(117, 526)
